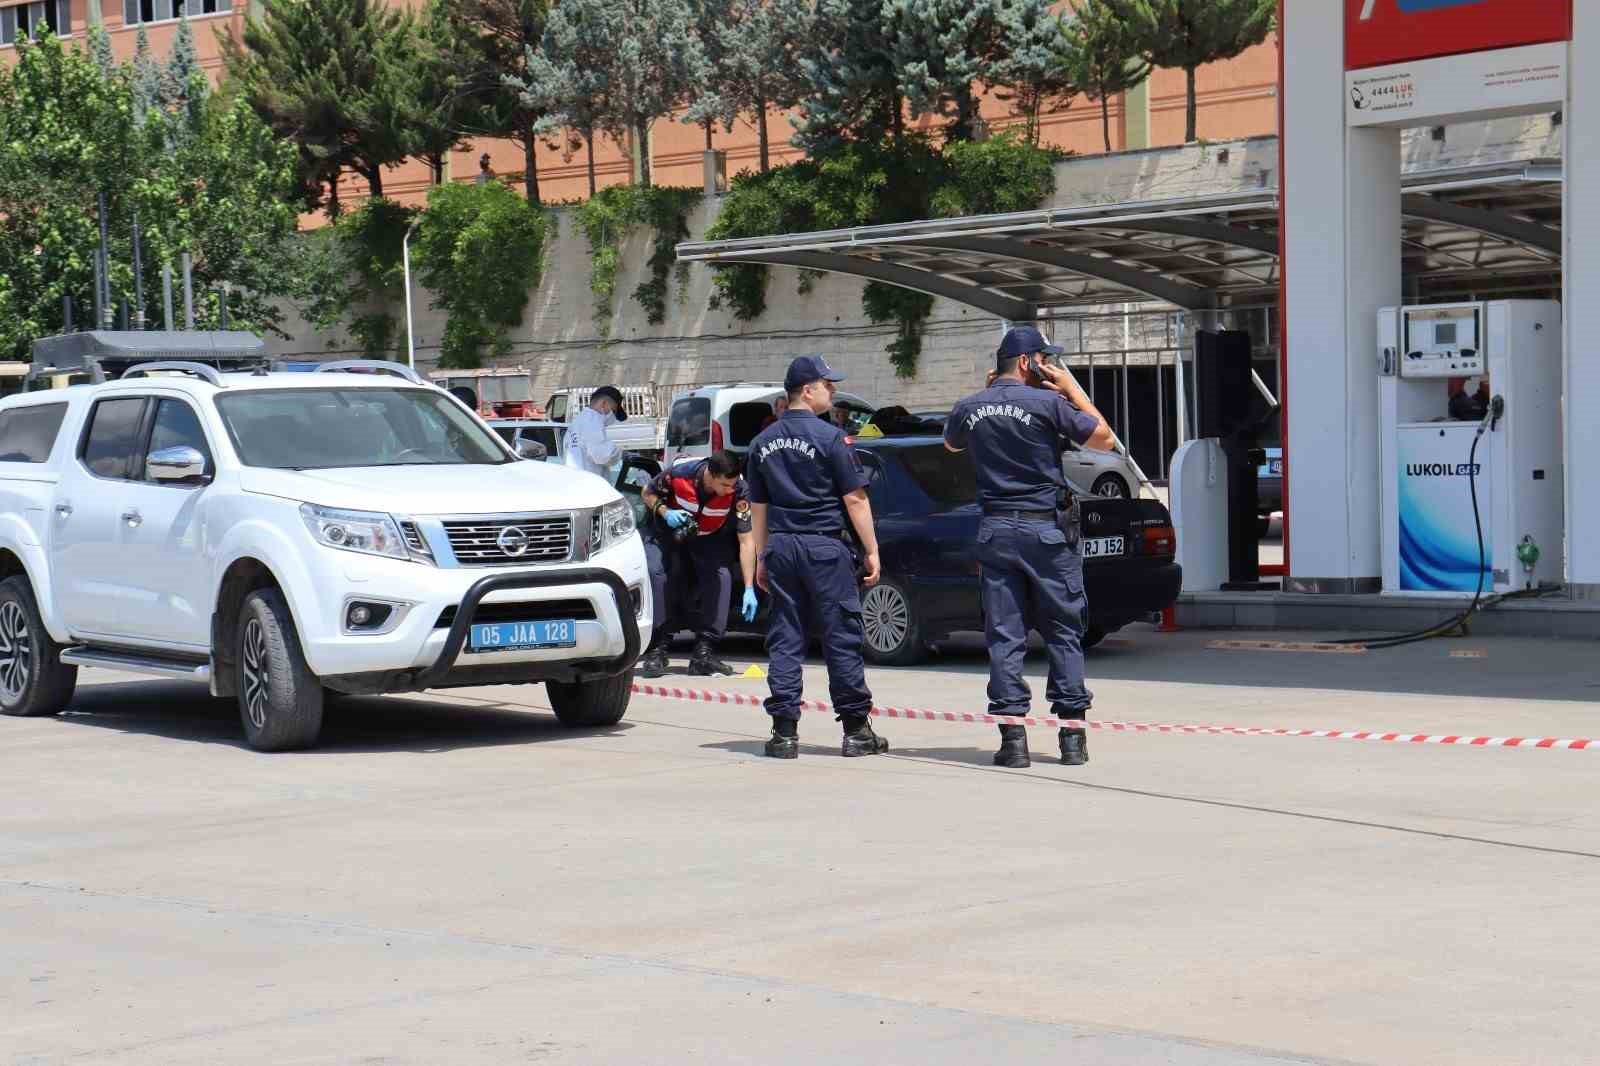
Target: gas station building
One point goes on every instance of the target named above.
(1353, 227)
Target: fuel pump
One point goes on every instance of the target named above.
(1471, 447)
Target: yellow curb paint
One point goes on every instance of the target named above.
(1469, 654)
(754, 672)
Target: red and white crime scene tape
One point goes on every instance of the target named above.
(668, 692)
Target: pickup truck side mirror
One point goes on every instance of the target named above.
(179, 463)
(532, 449)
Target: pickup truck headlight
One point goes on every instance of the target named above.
(368, 532)
(616, 523)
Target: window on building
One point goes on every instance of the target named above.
(137, 11)
(30, 20)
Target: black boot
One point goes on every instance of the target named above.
(859, 739)
(1074, 746)
(654, 663)
(785, 740)
(705, 664)
(1013, 752)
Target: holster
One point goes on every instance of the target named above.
(1068, 518)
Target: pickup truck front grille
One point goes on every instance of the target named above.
(507, 541)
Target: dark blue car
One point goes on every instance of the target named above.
(924, 501)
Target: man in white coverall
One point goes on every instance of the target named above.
(588, 447)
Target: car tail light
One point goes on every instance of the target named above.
(716, 436)
(1160, 540)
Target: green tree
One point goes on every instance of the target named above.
(707, 105)
(1037, 72)
(146, 77)
(183, 80)
(942, 49)
(480, 250)
(492, 43)
(852, 83)
(644, 53)
(1104, 57)
(1187, 34)
(214, 182)
(753, 64)
(566, 76)
(312, 70)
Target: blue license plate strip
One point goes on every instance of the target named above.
(520, 636)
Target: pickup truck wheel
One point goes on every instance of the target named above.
(33, 680)
(280, 700)
(1091, 636)
(591, 704)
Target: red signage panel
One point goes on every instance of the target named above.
(1378, 32)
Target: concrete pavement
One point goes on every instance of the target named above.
(456, 879)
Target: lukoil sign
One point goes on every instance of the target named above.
(1380, 32)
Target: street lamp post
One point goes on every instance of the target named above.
(405, 262)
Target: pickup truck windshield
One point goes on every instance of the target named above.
(318, 429)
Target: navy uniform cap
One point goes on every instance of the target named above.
(1024, 340)
(808, 368)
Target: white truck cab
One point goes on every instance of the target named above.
(284, 535)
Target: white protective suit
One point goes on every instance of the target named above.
(587, 446)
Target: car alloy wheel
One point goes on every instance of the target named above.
(886, 617)
(257, 676)
(1111, 487)
(16, 652)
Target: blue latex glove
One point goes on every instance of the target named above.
(675, 518)
(748, 607)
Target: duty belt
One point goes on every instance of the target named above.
(1042, 516)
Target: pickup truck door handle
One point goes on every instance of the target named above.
(64, 510)
(133, 518)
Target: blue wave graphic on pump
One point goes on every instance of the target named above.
(1437, 558)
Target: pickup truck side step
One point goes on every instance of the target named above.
(131, 662)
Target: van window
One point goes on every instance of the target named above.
(745, 421)
(689, 424)
(28, 433)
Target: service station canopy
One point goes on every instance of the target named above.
(1486, 230)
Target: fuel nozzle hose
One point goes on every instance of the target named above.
(1491, 420)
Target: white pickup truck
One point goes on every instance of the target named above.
(283, 536)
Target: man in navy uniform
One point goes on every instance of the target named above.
(697, 533)
(1032, 574)
(807, 488)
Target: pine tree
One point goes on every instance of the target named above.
(643, 52)
(852, 83)
(311, 71)
(1187, 34)
(491, 43)
(1104, 57)
(567, 78)
(756, 64)
(709, 100)
(146, 78)
(1038, 71)
(100, 46)
(178, 81)
(941, 48)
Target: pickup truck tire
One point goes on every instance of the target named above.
(280, 699)
(1091, 636)
(591, 704)
(34, 682)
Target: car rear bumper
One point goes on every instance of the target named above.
(1129, 590)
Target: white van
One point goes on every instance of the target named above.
(714, 418)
